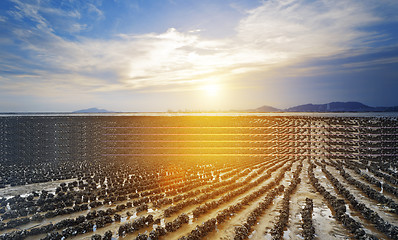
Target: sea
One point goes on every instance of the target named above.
(171, 114)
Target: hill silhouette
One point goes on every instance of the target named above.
(92, 110)
(328, 107)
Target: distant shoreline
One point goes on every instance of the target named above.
(231, 114)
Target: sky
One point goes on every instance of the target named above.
(147, 55)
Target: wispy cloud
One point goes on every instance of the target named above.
(94, 9)
(276, 34)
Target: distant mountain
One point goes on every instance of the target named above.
(328, 107)
(92, 110)
(333, 107)
(265, 108)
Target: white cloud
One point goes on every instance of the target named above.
(60, 12)
(76, 27)
(30, 11)
(276, 34)
(92, 8)
(299, 29)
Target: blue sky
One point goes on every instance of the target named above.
(146, 55)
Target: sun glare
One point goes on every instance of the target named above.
(211, 89)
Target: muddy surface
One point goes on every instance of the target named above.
(134, 155)
(23, 190)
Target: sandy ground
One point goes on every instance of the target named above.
(326, 227)
(157, 213)
(358, 177)
(368, 226)
(370, 203)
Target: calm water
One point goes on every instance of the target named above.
(311, 114)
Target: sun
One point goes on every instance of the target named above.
(211, 89)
